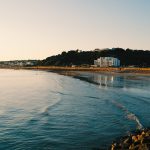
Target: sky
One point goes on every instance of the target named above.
(36, 29)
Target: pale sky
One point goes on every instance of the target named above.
(36, 29)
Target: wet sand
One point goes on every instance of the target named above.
(112, 70)
(106, 70)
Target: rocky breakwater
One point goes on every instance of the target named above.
(138, 140)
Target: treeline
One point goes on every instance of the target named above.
(127, 57)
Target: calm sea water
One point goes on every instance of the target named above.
(46, 111)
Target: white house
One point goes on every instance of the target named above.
(107, 62)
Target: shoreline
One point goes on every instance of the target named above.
(105, 70)
(110, 70)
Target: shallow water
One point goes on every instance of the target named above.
(46, 111)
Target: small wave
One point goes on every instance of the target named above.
(132, 116)
(64, 93)
(46, 111)
(93, 97)
(61, 93)
(119, 105)
(129, 115)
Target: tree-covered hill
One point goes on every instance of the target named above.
(127, 57)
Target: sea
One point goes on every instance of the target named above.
(41, 110)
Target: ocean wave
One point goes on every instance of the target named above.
(129, 115)
(46, 111)
(132, 116)
(93, 97)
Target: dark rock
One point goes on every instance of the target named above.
(138, 140)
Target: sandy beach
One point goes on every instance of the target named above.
(122, 70)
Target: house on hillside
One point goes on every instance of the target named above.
(107, 62)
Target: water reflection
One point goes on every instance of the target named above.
(103, 80)
(114, 80)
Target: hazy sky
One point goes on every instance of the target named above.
(40, 28)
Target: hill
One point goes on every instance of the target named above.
(127, 57)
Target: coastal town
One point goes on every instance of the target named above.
(100, 62)
(98, 58)
(116, 60)
(17, 63)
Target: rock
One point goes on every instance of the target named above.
(135, 138)
(139, 140)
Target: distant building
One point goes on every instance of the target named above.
(98, 50)
(107, 62)
(18, 63)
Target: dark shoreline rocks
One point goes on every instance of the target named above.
(137, 140)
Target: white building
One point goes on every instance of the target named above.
(107, 62)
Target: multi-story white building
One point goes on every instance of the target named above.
(107, 62)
